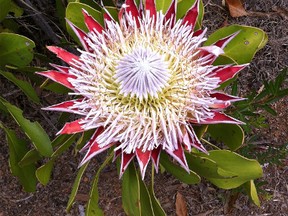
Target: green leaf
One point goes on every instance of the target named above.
(26, 87)
(281, 78)
(230, 134)
(92, 205)
(182, 8)
(244, 46)
(17, 149)
(200, 130)
(30, 157)
(269, 109)
(145, 200)
(5, 7)
(16, 10)
(179, 172)
(75, 15)
(131, 191)
(163, 5)
(33, 130)
(57, 88)
(76, 186)
(65, 145)
(15, 50)
(252, 192)
(85, 137)
(202, 166)
(157, 208)
(239, 168)
(43, 173)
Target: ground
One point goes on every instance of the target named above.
(202, 199)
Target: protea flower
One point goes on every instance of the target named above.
(142, 82)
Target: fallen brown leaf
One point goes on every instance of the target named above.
(181, 206)
(236, 8)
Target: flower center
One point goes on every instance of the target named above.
(142, 73)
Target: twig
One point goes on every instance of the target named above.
(39, 19)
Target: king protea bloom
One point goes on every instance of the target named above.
(142, 82)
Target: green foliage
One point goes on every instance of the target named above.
(178, 172)
(244, 46)
(75, 186)
(248, 110)
(236, 169)
(33, 130)
(17, 149)
(92, 206)
(15, 50)
(25, 86)
(5, 7)
(230, 135)
(137, 199)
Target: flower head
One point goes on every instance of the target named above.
(142, 82)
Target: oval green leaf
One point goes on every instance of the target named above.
(15, 50)
(244, 46)
(229, 134)
(230, 163)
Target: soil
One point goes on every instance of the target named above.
(202, 199)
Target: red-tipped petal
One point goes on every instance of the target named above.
(192, 14)
(143, 160)
(219, 118)
(132, 9)
(58, 77)
(61, 68)
(93, 151)
(91, 23)
(72, 127)
(226, 97)
(97, 132)
(190, 139)
(198, 32)
(125, 161)
(116, 154)
(66, 56)
(151, 6)
(224, 41)
(64, 106)
(227, 73)
(80, 34)
(155, 156)
(179, 156)
(171, 13)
